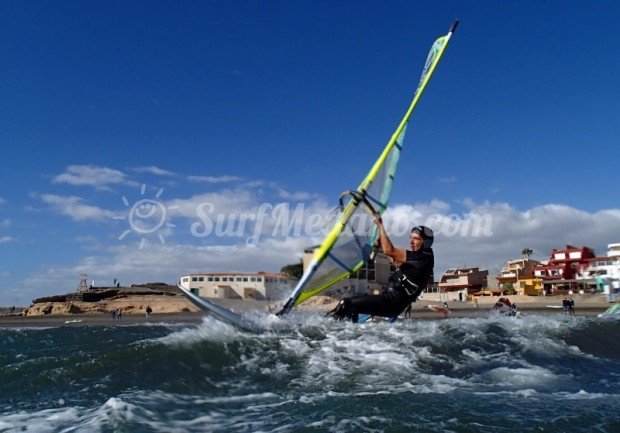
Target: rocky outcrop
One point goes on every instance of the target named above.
(100, 293)
(128, 304)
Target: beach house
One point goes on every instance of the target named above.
(559, 274)
(463, 281)
(519, 274)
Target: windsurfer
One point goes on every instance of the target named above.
(414, 270)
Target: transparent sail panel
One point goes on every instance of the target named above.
(378, 193)
(350, 251)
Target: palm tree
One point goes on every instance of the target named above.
(527, 252)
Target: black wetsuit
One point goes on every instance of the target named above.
(404, 286)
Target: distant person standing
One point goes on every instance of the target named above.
(149, 310)
(446, 309)
(408, 311)
(119, 315)
(565, 305)
(113, 314)
(571, 306)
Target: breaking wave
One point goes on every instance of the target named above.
(306, 373)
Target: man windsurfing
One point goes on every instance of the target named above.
(414, 269)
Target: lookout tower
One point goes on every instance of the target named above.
(83, 286)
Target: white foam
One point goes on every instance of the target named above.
(209, 330)
(521, 376)
(584, 395)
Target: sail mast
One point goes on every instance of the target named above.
(326, 247)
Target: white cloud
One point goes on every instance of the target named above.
(225, 201)
(154, 170)
(5, 239)
(5, 223)
(488, 234)
(485, 235)
(90, 175)
(295, 196)
(166, 263)
(74, 208)
(214, 179)
(2, 201)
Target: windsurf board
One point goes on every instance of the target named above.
(223, 314)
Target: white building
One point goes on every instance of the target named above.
(613, 250)
(605, 270)
(608, 266)
(236, 285)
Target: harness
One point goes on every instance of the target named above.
(399, 282)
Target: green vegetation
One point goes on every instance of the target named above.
(508, 289)
(294, 271)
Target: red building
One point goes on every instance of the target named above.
(560, 272)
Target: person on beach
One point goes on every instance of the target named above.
(414, 271)
(113, 314)
(148, 310)
(408, 311)
(571, 306)
(119, 315)
(446, 312)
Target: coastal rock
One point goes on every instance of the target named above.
(128, 304)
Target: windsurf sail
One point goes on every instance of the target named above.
(352, 240)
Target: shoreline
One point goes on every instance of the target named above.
(420, 312)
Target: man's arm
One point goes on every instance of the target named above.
(399, 255)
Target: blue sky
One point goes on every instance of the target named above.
(242, 103)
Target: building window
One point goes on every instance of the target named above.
(201, 278)
(216, 279)
(185, 280)
(245, 279)
(253, 279)
(194, 278)
(238, 278)
(210, 279)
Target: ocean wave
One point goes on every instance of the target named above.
(332, 376)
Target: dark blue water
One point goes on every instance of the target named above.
(533, 374)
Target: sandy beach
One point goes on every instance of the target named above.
(586, 305)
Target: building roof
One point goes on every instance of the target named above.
(235, 274)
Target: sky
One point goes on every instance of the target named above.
(127, 128)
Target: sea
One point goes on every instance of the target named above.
(309, 374)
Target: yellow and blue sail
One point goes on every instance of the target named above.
(349, 244)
